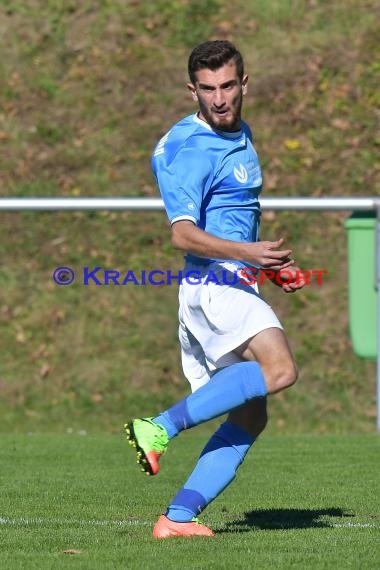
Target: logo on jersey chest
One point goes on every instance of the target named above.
(241, 174)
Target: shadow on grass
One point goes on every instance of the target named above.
(284, 519)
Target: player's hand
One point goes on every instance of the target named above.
(267, 255)
(291, 280)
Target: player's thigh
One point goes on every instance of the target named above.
(267, 347)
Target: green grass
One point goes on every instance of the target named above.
(298, 502)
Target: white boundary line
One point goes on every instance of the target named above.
(355, 525)
(25, 521)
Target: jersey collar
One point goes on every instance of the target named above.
(226, 134)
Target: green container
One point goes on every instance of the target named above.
(362, 294)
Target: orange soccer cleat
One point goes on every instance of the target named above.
(165, 528)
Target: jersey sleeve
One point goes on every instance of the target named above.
(183, 183)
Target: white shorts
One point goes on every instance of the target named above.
(214, 319)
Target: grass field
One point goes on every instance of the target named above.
(86, 90)
(80, 501)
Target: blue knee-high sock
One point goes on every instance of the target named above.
(216, 468)
(227, 390)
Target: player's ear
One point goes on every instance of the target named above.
(193, 91)
(244, 85)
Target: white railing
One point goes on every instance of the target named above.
(153, 204)
(46, 204)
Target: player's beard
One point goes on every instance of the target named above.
(229, 122)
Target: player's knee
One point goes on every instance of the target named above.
(287, 377)
(282, 378)
(291, 376)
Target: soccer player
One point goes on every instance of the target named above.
(234, 351)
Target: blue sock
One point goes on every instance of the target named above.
(216, 468)
(227, 390)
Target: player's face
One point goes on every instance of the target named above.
(220, 96)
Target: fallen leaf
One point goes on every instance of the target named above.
(341, 124)
(269, 215)
(97, 398)
(44, 370)
(292, 144)
(20, 337)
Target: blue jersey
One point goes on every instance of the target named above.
(210, 177)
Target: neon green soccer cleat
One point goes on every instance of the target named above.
(150, 441)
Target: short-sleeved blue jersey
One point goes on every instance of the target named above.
(210, 177)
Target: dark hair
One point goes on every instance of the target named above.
(213, 55)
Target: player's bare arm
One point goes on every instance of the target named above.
(191, 239)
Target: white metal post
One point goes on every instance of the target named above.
(377, 278)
